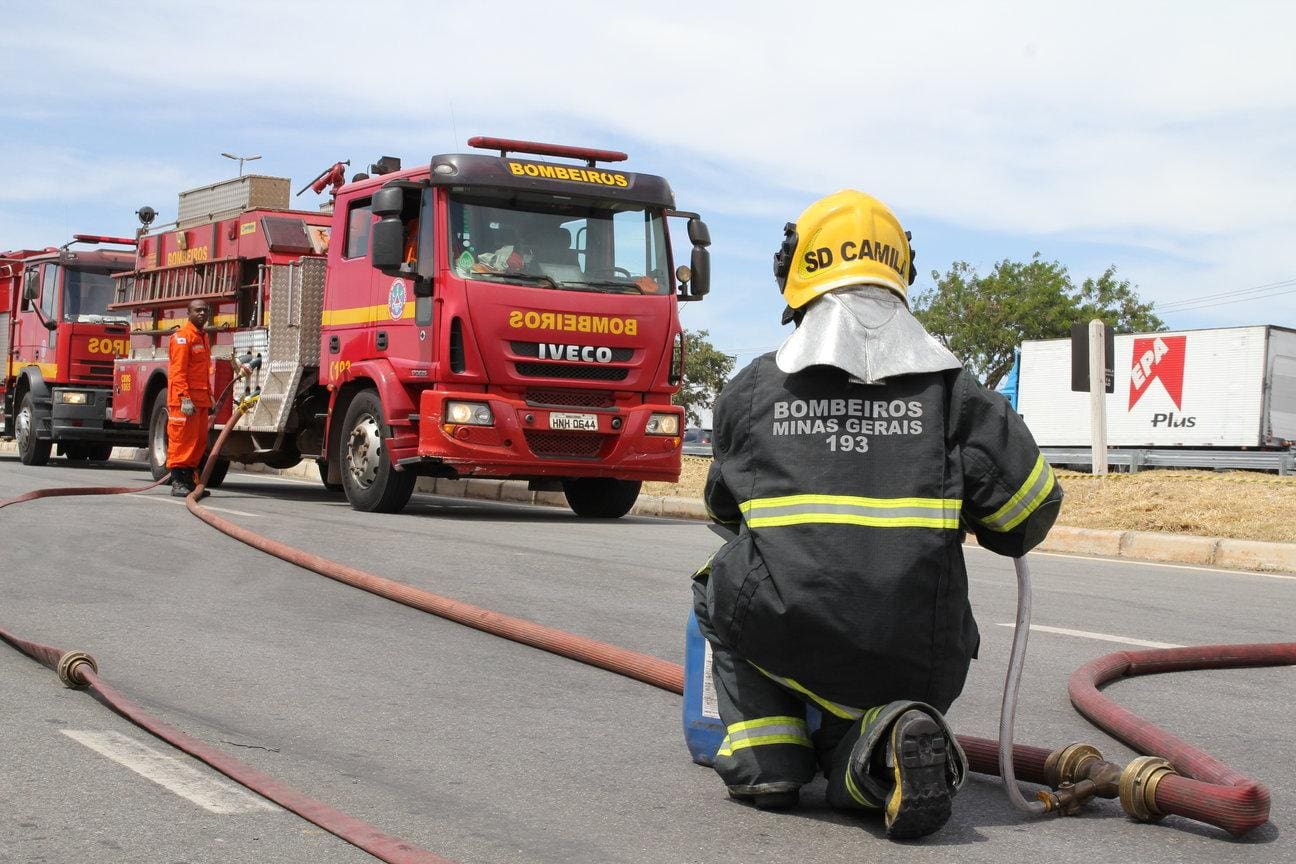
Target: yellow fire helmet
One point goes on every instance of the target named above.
(847, 238)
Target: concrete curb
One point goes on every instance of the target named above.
(1133, 545)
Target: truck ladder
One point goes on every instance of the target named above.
(207, 280)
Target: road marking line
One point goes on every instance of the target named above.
(1134, 561)
(182, 504)
(249, 475)
(1101, 637)
(173, 774)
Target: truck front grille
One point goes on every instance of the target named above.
(572, 371)
(97, 371)
(568, 445)
(571, 398)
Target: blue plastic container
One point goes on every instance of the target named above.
(703, 730)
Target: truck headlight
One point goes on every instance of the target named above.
(73, 397)
(469, 413)
(663, 424)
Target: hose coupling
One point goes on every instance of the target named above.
(1067, 764)
(1069, 797)
(247, 403)
(1138, 785)
(69, 668)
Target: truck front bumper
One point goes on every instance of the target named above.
(527, 441)
(87, 418)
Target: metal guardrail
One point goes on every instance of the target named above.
(1282, 461)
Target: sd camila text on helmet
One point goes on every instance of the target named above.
(847, 238)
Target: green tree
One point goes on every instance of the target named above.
(983, 319)
(705, 372)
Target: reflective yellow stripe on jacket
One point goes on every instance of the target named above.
(765, 730)
(1024, 501)
(852, 510)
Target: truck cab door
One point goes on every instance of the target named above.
(347, 332)
(403, 330)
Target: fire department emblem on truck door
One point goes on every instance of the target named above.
(396, 300)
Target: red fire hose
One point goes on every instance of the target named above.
(1208, 790)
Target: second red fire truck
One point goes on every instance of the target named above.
(483, 315)
(58, 340)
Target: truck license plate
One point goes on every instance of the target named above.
(581, 422)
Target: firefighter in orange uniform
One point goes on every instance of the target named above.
(189, 398)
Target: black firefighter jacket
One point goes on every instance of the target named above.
(847, 572)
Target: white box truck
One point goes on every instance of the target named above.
(1231, 388)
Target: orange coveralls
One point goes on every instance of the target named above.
(188, 376)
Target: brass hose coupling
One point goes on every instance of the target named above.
(1138, 785)
(68, 670)
(1078, 773)
(247, 403)
(1068, 764)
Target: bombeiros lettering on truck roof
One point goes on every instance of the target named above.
(564, 172)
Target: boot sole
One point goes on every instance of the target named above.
(776, 796)
(920, 802)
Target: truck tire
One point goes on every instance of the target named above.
(218, 472)
(371, 482)
(87, 451)
(157, 438)
(601, 497)
(31, 450)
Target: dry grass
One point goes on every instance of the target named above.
(1241, 504)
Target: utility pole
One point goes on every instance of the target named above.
(1098, 394)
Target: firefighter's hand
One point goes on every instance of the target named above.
(187, 407)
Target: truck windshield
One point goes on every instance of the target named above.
(558, 243)
(86, 295)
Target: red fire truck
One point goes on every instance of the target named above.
(478, 316)
(58, 340)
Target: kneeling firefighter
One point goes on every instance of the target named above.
(850, 463)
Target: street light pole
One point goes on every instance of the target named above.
(241, 160)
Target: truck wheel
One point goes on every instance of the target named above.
(218, 472)
(88, 451)
(31, 450)
(157, 439)
(371, 482)
(601, 497)
(99, 451)
(322, 465)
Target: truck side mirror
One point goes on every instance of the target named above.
(388, 201)
(31, 286)
(700, 264)
(387, 242)
(698, 233)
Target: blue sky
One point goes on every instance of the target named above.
(1157, 136)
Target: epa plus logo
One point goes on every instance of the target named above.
(1161, 358)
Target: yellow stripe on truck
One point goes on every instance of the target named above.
(363, 314)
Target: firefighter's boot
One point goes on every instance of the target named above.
(768, 796)
(908, 762)
(181, 482)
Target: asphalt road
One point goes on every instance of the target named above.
(482, 750)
